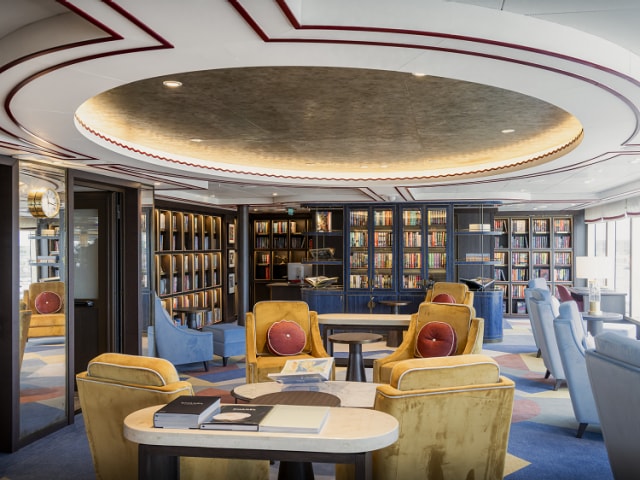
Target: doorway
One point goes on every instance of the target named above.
(97, 280)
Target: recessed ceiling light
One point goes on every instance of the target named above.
(418, 74)
(274, 194)
(508, 130)
(172, 83)
(196, 140)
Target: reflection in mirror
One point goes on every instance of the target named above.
(43, 317)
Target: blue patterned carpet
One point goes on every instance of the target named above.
(542, 443)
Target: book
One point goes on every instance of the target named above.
(187, 411)
(306, 370)
(237, 417)
(295, 419)
(478, 283)
(323, 221)
(319, 282)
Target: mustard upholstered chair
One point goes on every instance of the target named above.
(260, 360)
(116, 385)
(46, 321)
(459, 291)
(454, 415)
(469, 333)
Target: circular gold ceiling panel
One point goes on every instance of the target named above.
(316, 122)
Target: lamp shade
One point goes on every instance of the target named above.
(593, 268)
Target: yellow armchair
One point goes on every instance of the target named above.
(45, 324)
(469, 333)
(454, 415)
(116, 385)
(260, 361)
(459, 291)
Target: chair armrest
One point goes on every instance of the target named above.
(476, 336)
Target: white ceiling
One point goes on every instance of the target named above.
(329, 110)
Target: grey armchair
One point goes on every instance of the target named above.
(614, 372)
(180, 345)
(543, 311)
(572, 343)
(534, 283)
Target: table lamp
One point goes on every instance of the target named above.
(593, 269)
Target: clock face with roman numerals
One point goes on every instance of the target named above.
(44, 203)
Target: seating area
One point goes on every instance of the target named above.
(438, 369)
(405, 389)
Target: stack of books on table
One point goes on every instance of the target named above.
(205, 412)
(269, 418)
(187, 411)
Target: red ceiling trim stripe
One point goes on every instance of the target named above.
(323, 179)
(286, 11)
(111, 36)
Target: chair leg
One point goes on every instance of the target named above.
(538, 354)
(557, 385)
(546, 375)
(224, 361)
(581, 428)
(206, 367)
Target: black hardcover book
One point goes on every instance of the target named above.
(187, 411)
(237, 417)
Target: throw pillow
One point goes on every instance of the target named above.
(47, 302)
(436, 339)
(286, 338)
(443, 298)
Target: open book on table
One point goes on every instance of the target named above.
(307, 370)
(319, 282)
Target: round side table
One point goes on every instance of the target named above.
(394, 338)
(355, 363)
(595, 321)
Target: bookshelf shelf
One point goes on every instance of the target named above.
(188, 264)
(531, 247)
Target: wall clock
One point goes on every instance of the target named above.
(43, 203)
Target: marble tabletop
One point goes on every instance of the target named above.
(348, 430)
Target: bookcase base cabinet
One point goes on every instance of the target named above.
(324, 300)
(488, 305)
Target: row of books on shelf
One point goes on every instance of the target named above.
(437, 260)
(188, 283)
(477, 257)
(412, 281)
(412, 260)
(437, 239)
(538, 225)
(198, 320)
(359, 239)
(382, 260)
(383, 239)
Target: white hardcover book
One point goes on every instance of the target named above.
(295, 419)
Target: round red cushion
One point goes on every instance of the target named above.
(436, 339)
(443, 298)
(48, 302)
(286, 338)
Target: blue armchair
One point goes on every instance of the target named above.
(544, 308)
(534, 283)
(572, 343)
(180, 345)
(614, 372)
